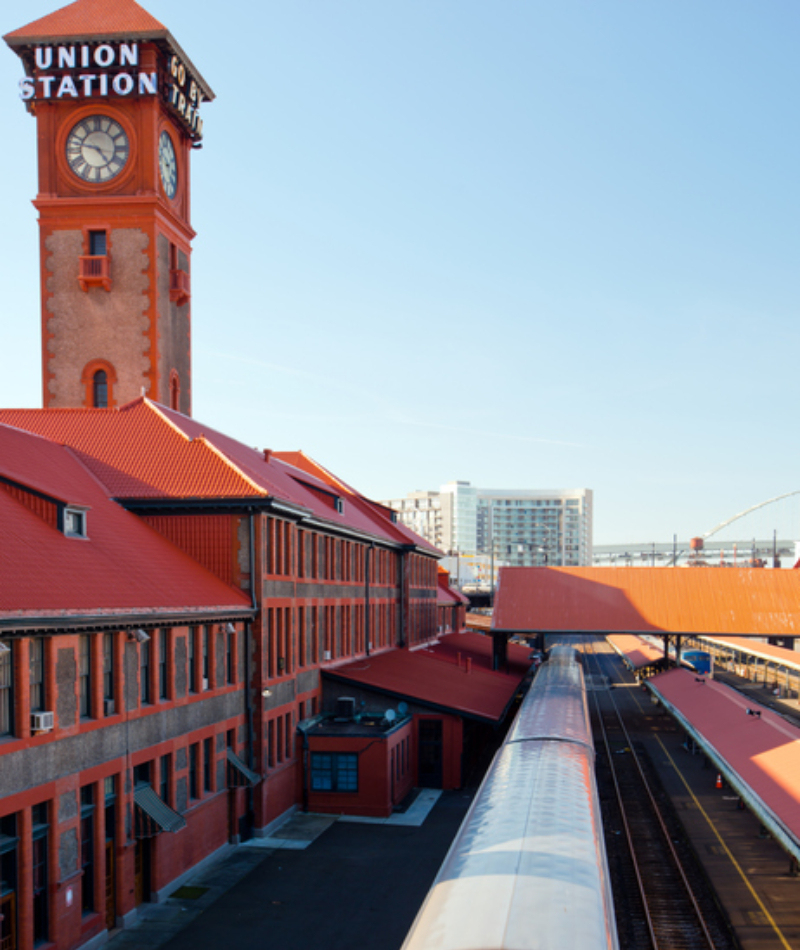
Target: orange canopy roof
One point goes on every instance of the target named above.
(648, 600)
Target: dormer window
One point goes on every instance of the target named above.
(75, 523)
(339, 505)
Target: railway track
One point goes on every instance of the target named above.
(663, 900)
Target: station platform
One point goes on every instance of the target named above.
(752, 874)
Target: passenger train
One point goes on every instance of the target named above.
(527, 869)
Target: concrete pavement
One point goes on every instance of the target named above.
(319, 882)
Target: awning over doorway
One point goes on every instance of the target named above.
(239, 775)
(152, 815)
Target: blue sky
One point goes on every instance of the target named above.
(525, 244)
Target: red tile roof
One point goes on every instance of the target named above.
(146, 451)
(436, 681)
(763, 750)
(648, 600)
(91, 18)
(398, 530)
(138, 453)
(123, 568)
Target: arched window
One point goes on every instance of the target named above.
(174, 391)
(98, 380)
(100, 389)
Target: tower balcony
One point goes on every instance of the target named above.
(179, 287)
(94, 271)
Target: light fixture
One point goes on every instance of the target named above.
(4, 647)
(229, 628)
(138, 635)
(266, 692)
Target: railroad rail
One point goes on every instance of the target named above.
(663, 900)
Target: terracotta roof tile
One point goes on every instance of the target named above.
(107, 18)
(144, 450)
(123, 567)
(138, 452)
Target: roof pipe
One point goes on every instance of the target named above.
(248, 646)
(367, 625)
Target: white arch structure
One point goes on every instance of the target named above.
(761, 504)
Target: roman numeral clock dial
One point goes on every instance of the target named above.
(97, 148)
(168, 165)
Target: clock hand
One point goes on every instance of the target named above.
(97, 149)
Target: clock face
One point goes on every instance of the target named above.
(97, 148)
(168, 165)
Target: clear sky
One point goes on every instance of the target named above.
(525, 244)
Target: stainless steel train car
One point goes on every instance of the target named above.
(527, 869)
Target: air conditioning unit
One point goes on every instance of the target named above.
(326, 654)
(42, 721)
(345, 708)
(108, 707)
(205, 682)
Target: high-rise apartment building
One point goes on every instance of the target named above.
(521, 527)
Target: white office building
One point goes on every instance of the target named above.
(522, 527)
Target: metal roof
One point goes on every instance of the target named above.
(648, 600)
(756, 749)
(153, 815)
(239, 774)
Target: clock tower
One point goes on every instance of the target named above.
(117, 105)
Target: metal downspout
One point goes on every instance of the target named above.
(248, 646)
(367, 626)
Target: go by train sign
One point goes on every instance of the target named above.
(114, 70)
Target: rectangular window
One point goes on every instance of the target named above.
(289, 717)
(98, 246)
(164, 777)
(163, 649)
(37, 674)
(194, 768)
(206, 646)
(39, 855)
(334, 772)
(84, 676)
(302, 658)
(271, 743)
(279, 730)
(191, 649)
(231, 655)
(108, 674)
(87, 849)
(208, 764)
(144, 671)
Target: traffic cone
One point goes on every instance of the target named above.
(719, 780)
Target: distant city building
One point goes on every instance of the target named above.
(521, 528)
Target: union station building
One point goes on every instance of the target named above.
(196, 637)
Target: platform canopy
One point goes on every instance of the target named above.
(655, 600)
